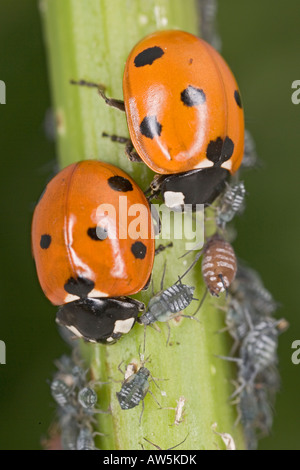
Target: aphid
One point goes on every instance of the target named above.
(250, 158)
(167, 304)
(85, 440)
(236, 320)
(231, 203)
(226, 438)
(179, 410)
(248, 411)
(249, 287)
(208, 9)
(134, 389)
(61, 392)
(218, 265)
(259, 349)
(69, 432)
(87, 397)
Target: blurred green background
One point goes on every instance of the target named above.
(261, 43)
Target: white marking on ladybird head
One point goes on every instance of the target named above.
(174, 199)
(227, 165)
(123, 326)
(70, 298)
(97, 293)
(204, 164)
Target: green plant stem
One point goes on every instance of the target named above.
(90, 40)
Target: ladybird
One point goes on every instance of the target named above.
(83, 263)
(184, 114)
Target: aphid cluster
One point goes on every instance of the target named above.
(255, 332)
(76, 399)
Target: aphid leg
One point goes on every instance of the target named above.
(101, 412)
(170, 448)
(198, 256)
(155, 399)
(144, 349)
(154, 445)
(191, 317)
(228, 358)
(169, 333)
(163, 277)
(200, 304)
(119, 368)
(119, 104)
(143, 407)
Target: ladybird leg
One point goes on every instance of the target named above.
(131, 153)
(129, 149)
(116, 138)
(119, 104)
(161, 248)
(146, 286)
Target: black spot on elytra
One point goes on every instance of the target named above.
(238, 98)
(148, 56)
(150, 127)
(119, 183)
(45, 241)
(139, 250)
(80, 286)
(219, 150)
(193, 96)
(97, 233)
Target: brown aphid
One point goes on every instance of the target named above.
(219, 265)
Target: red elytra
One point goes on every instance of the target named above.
(183, 105)
(71, 261)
